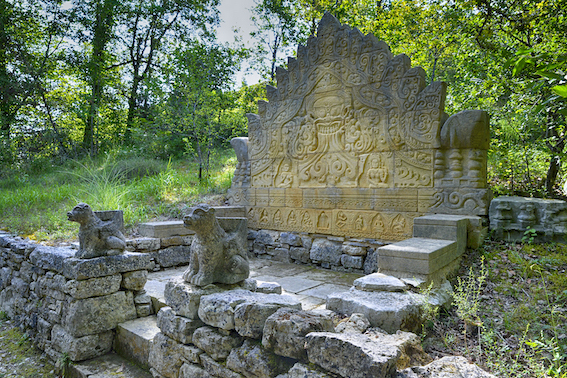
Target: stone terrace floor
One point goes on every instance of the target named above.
(308, 284)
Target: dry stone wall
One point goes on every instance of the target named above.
(70, 305)
(352, 142)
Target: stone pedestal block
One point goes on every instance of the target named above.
(444, 227)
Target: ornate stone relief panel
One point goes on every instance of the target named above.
(353, 142)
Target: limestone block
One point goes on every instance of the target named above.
(82, 269)
(165, 356)
(250, 318)
(299, 254)
(216, 344)
(229, 212)
(215, 369)
(51, 258)
(268, 287)
(267, 236)
(417, 256)
(409, 345)
(163, 229)
(173, 241)
(300, 370)
(326, 251)
(285, 330)
(179, 328)
(185, 298)
(458, 201)
(133, 339)
(253, 361)
(351, 355)
(219, 309)
(446, 367)
(370, 262)
(173, 256)
(95, 315)
(354, 250)
(356, 323)
(93, 287)
(355, 262)
(144, 244)
(379, 282)
(290, 238)
(442, 226)
(389, 311)
(81, 348)
(192, 371)
(134, 280)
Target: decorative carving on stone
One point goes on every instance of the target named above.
(216, 256)
(96, 237)
(351, 127)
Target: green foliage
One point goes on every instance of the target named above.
(529, 235)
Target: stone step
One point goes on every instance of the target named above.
(443, 227)
(155, 290)
(133, 339)
(107, 366)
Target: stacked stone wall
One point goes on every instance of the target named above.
(70, 305)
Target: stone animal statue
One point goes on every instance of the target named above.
(216, 256)
(96, 238)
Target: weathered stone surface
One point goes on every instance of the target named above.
(82, 269)
(93, 287)
(356, 323)
(291, 239)
(185, 298)
(178, 328)
(81, 348)
(444, 227)
(326, 251)
(268, 287)
(143, 244)
(193, 371)
(96, 237)
(300, 254)
(51, 258)
(216, 255)
(219, 309)
(285, 330)
(446, 367)
(354, 250)
(250, 317)
(253, 361)
(267, 236)
(94, 315)
(351, 355)
(163, 229)
(133, 339)
(165, 356)
(355, 262)
(389, 311)
(215, 344)
(134, 280)
(409, 345)
(217, 370)
(173, 256)
(371, 262)
(379, 282)
(300, 370)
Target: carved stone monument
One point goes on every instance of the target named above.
(96, 237)
(217, 256)
(352, 142)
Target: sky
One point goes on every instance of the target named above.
(236, 14)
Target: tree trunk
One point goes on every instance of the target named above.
(552, 172)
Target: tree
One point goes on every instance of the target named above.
(146, 26)
(200, 78)
(278, 29)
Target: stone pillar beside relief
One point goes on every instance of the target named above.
(352, 142)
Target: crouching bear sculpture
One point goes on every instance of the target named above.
(96, 238)
(216, 256)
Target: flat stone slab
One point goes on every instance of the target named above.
(82, 269)
(417, 255)
(390, 311)
(107, 366)
(379, 282)
(294, 284)
(133, 339)
(323, 290)
(163, 229)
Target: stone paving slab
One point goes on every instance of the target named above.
(293, 284)
(323, 290)
(107, 366)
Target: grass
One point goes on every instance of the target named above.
(518, 312)
(35, 206)
(18, 357)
